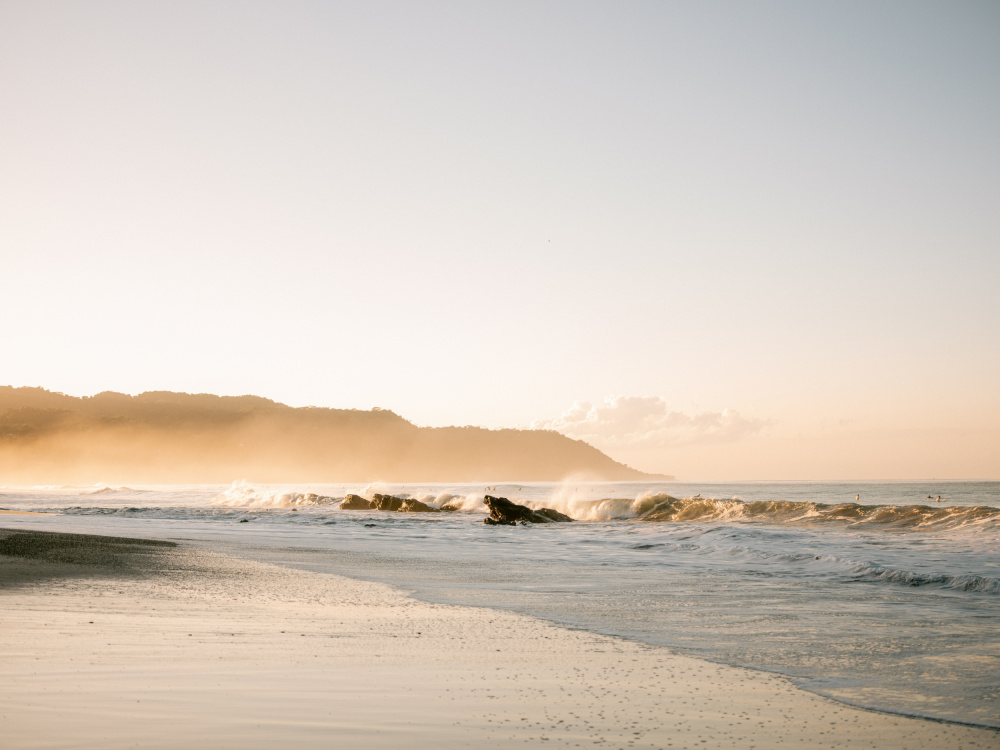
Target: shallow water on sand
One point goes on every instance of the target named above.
(892, 602)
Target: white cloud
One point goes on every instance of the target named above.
(648, 421)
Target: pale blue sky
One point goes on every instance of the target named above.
(481, 213)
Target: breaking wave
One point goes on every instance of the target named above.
(664, 508)
(660, 507)
(103, 489)
(808, 563)
(242, 495)
(976, 583)
(654, 508)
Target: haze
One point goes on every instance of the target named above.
(179, 438)
(715, 240)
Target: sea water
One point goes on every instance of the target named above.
(873, 594)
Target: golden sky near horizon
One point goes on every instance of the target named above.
(718, 240)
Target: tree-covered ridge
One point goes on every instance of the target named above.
(161, 436)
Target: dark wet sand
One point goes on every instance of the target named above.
(28, 557)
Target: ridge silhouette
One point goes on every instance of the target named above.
(166, 437)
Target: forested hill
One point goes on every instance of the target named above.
(165, 437)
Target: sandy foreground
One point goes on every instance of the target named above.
(114, 643)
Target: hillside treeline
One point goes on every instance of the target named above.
(165, 437)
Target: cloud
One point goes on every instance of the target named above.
(648, 421)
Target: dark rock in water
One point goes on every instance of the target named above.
(415, 506)
(244, 520)
(450, 508)
(491, 522)
(355, 502)
(386, 502)
(505, 513)
(369, 526)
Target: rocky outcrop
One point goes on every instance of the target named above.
(505, 513)
(386, 502)
(415, 506)
(355, 502)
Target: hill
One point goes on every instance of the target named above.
(165, 437)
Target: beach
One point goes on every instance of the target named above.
(459, 375)
(139, 644)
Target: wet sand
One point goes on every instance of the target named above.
(128, 643)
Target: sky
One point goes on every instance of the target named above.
(720, 240)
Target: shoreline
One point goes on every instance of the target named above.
(797, 684)
(249, 654)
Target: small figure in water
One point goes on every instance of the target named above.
(938, 498)
(857, 498)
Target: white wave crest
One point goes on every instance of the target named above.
(573, 502)
(104, 489)
(970, 582)
(471, 502)
(242, 495)
(98, 489)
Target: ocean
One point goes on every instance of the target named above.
(871, 593)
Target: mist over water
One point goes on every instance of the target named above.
(891, 602)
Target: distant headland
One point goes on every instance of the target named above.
(176, 438)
